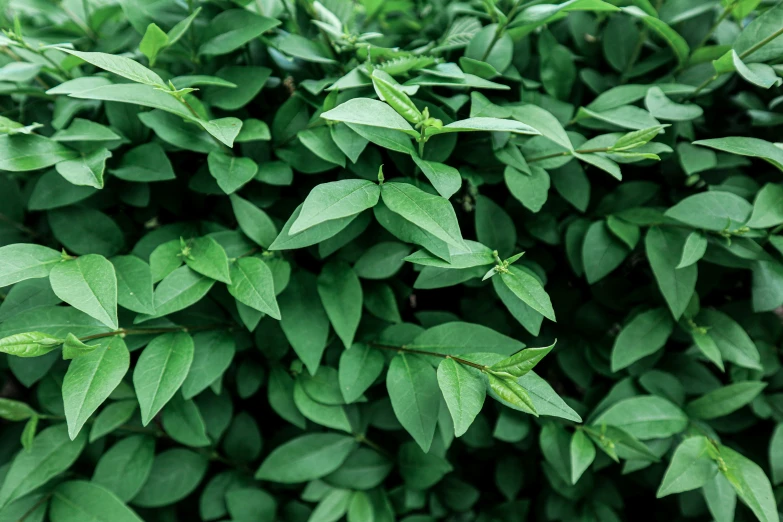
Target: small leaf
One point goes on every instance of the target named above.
(88, 283)
(464, 391)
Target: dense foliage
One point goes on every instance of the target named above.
(263, 261)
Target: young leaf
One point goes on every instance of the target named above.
(521, 362)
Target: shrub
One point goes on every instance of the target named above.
(263, 261)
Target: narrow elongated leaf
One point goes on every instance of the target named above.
(335, 200)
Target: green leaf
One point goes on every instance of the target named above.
(693, 250)
(304, 320)
(752, 147)
(645, 417)
(160, 371)
(90, 380)
(76, 500)
(446, 180)
(638, 138)
(341, 296)
(87, 170)
(644, 335)
(121, 66)
(662, 107)
(144, 163)
(208, 258)
(767, 207)
(26, 261)
(724, 400)
(464, 391)
(662, 29)
(512, 392)
(582, 454)
(183, 422)
(531, 189)
(52, 453)
(153, 42)
(373, 113)
(691, 467)
(388, 90)
(112, 417)
(529, 290)
(232, 29)
(335, 200)
(305, 458)
(434, 214)
(88, 283)
(750, 483)
(15, 411)
(29, 344)
(213, 352)
(483, 124)
(20, 153)
(413, 390)
(601, 252)
(134, 284)
(521, 362)
(252, 284)
(731, 339)
(254, 222)
(663, 248)
(231, 172)
(175, 474)
(178, 290)
(359, 367)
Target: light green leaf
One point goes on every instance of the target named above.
(753, 147)
(232, 29)
(341, 296)
(724, 400)
(52, 453)
(23, 152)
(160, 371)
(414, 394)
(644, 417)
(751, 484)
(434, 214)
(529, 290)
(335, 200)
(644, 335)
(691, 467)
(79, 501)
(154, 41)
(663, 247)
(88, 283)
(373, 113)
(179, 289)
(305, 458)
(87, 170)
(483, 124)
(207, 257)
(464, 391)
(26, 261)
(582, 454)
(121, 66)
(767, 207)
(252, 283)
(231, 172)
(359, 367)
(90, 380)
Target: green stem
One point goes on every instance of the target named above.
(742, 56)
(568, 153)
(712, 29)
(405, 349)
(148, 331)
